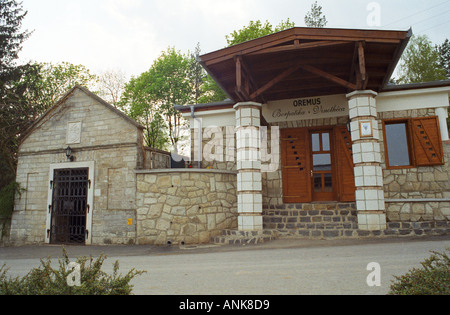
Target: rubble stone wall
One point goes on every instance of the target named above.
(184, 206)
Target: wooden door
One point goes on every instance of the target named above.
(345, 167)
(296, 165)
(317, 165)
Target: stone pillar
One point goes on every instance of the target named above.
(367, 159)
(249, 179)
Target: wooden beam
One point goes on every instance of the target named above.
(242, 87)
(274, 81)
(298, 46)
(329, 76)
(384, 37)
(244, 81)
(352, 77)
(362, 66)
(251, 84)
(238, 62)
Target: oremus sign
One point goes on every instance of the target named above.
(306, 108)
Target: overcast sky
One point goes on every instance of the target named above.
(129, 35)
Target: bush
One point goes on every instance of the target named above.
(49, 281)
(7, 195)
(432, 279)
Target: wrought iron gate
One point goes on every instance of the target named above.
(69, 206)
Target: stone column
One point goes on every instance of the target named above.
(367, 159)
(249, 181)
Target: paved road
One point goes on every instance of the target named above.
(285, 267)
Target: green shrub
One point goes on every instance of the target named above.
(7, 195)
(46, 280)
(432, 279)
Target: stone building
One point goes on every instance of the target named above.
(89, 179)
(312, 142)
(325, 146)
(93, 187)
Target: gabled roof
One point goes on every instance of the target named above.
(64, 99)
(303, 62)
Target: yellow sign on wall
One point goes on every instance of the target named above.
(130, 221)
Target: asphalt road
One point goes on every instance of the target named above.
(284, 267)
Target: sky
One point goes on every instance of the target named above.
(128, 35)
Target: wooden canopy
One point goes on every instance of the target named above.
(304, 62)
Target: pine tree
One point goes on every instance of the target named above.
(11, 37)
(315, 18)
(444, 56)
(13, 113)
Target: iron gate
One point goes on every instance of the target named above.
(69, 206)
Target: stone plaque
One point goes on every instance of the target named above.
(74, 132)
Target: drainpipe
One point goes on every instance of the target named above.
(200, 136)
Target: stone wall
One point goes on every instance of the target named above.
(418, 194)
(187, 205)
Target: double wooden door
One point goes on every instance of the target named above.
(317, 165)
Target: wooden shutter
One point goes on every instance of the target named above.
(426, 137)
(296, 166)
(345, 168)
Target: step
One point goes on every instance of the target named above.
(311, 216)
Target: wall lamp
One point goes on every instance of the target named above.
(69, 154)
(349, 129)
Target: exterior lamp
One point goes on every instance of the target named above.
(69, 154)
(349, 129)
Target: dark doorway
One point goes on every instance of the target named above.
(69, 207)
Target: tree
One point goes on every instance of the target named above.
(54, 80)
(14, 110)
(315, 17)
(110, 86)
(211, 92)
(197, 75)
(151, 97)
(255, 30)
(205, 89)
(420, 62)
(138, 102)
(171, 86)
(11, 38)
(444, 56)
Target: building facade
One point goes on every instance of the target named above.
(330, 148)
(312, 142)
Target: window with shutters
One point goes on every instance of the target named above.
(412, 142)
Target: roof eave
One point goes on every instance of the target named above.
(398, 54)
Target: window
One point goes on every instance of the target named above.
(412, 142)
(398, 152)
